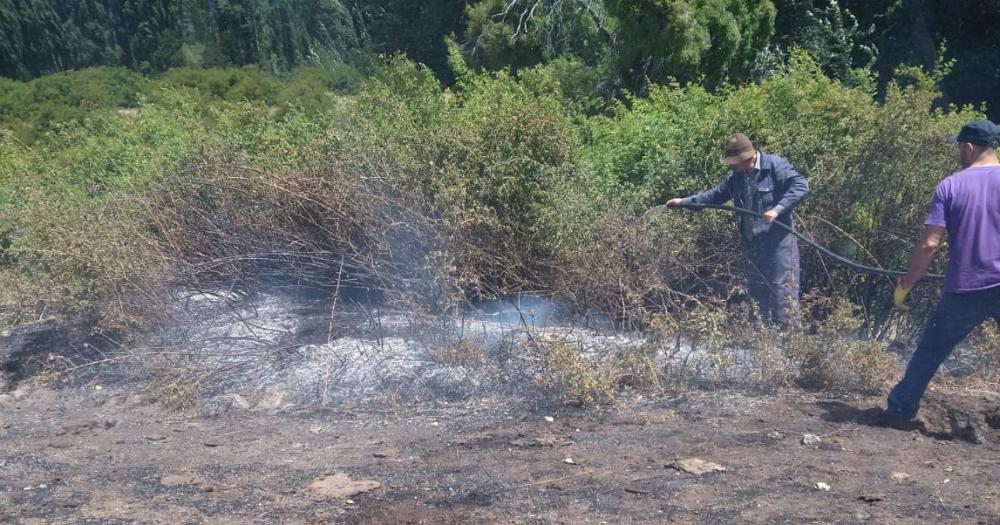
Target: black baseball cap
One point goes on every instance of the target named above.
(978, 132)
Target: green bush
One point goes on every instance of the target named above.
(31, 108)
(859, 154)
(316, 88)
(78, 234)
(486, 157)
(511, 182)
(229, 84)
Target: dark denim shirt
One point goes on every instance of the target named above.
(774, 184)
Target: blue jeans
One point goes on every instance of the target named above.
(955, 315)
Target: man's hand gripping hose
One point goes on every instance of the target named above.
(899, 296)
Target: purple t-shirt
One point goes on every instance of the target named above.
(968, 205)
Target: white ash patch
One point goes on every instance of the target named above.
(276, 352)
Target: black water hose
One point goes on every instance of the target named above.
(850, 263)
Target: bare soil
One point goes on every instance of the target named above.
(89, 456)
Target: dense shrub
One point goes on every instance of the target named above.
(78, 235)
(312, 88)
(858, 153)
(486, 159)
(503, 183)
(31, 109)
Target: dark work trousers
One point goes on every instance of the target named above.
(955, 315)
(773, 273)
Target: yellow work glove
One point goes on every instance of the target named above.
(899, 296)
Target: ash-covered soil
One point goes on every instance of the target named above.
(288, 410)
(84, 455)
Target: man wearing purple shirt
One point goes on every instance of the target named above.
(967, 206)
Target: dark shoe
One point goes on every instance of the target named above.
(907, 425)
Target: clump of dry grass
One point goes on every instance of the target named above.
(593, 380)
(720, 346)
(466, 352)
(983, 346)
(177, 391)
(837, 356)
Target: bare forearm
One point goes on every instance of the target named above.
(923, 254)
(920, 263)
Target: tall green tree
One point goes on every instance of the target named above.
(688, 40)
(11, 41)
(913, 32)
(416, 29)
(45, 36)
(692, 39)
(830, 32)
(522, 33)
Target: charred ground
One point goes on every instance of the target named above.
(253, 416)
(95, 456)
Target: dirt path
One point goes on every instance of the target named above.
(89, 457)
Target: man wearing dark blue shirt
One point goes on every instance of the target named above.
(769, 185)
